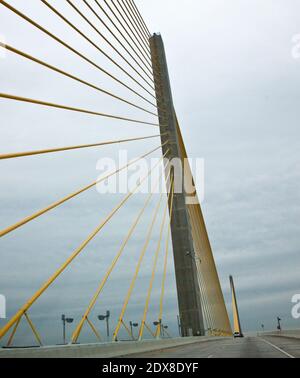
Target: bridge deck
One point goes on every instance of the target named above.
(249, 347)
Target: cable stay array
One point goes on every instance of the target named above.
(54, 10)
(147, 71)
(69, 75)
(128, 43)
(133, 40)
(74, 50)
(122, 55)
(158, 249)
(24, 309)
(137, 270)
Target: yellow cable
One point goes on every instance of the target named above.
(60, 149)
(37, 336)
(128, 330)
(93, 329)
(73, 109)
(149, 330)
(10, 340)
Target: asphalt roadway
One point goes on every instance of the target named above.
(248, 347)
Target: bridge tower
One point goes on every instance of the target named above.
(188, 291)
(235, 310)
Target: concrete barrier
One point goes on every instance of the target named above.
(295, 334)
(107, 350)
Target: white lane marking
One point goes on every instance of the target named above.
(279, 349)
(211, 356)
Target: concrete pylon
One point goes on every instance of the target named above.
(188, 292)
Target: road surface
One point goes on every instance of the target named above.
(248, 347)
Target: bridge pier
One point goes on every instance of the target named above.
(188, 292)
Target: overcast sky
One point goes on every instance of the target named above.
(236, 92)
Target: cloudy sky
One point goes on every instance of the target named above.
(236, 92)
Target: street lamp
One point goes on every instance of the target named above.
(158, 324)
(106, 317)
(131, 328)
(278, 323)
(164, 329)
(65, 320)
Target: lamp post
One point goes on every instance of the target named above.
(65, 320)
(158, 324)
(278, 323)
(106, 317)
(165, 327)
(162, 327)
(133, 325)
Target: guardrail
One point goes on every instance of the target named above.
(107, 350)
(284, 333)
